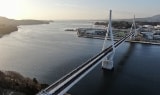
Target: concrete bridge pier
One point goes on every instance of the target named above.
(107, 63)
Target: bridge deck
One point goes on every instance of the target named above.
(60, 85)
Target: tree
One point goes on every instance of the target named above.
(35, 81)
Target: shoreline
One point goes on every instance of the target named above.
(8, 26)
(142, 42)
(19, 84)
(8, 29)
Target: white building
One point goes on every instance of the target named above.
(157, 27)
(148, 26)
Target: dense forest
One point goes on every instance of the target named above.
(16, 82)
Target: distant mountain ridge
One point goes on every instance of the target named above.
(155, 18)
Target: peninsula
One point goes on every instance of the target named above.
(10, 25)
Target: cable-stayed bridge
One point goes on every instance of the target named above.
(105, 57)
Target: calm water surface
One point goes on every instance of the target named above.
(47, 52)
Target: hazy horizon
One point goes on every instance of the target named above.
(77, 9)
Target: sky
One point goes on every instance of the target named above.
(77, 9)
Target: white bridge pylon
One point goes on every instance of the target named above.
(133, 27)
(107, 61)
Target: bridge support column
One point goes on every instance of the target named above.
(107, 62)
(107, 65)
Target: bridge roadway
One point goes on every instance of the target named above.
(65, 83)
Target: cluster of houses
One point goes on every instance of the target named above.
(150, 32)
(147, 32)
(91, 32)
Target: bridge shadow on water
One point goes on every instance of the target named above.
(101, 82)
(119, 67)
(109, 77)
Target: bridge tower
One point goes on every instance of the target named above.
(107, 62)
(133, 28)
